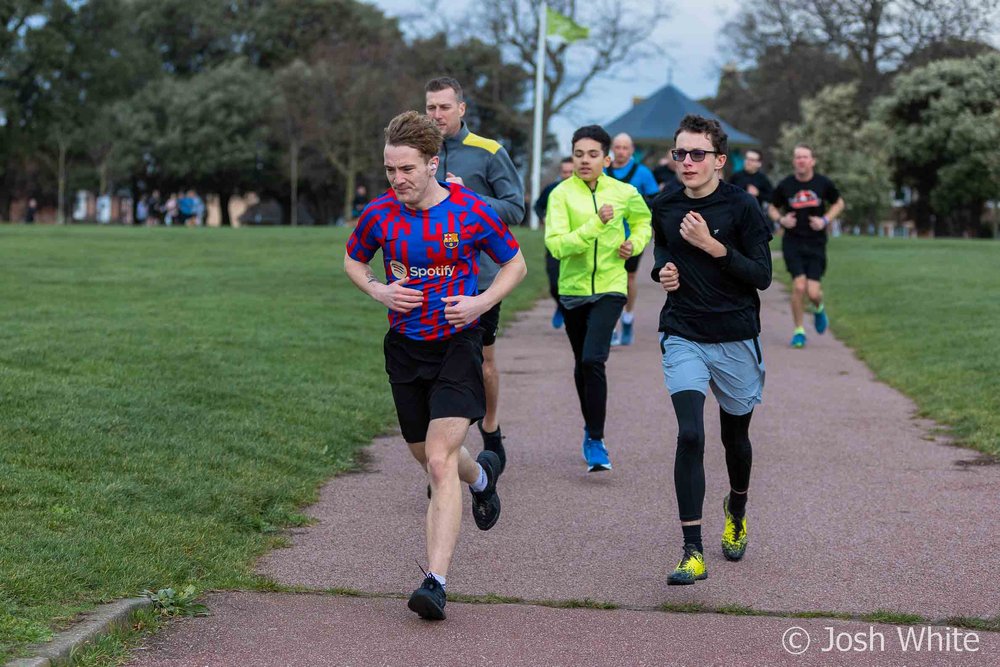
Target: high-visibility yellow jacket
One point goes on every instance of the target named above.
(586, 247)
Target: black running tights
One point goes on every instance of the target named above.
(589, 328)
(689, 465)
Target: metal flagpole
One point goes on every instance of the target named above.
(536, 141)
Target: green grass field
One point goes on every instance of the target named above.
(925, 316)
(168, 399)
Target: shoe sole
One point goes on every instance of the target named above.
(685, 582)
(496, 517)
(425, 607)
(733, 557)
(599, 468)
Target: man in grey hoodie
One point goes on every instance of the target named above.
(483, 166)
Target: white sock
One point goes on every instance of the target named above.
(480, 483)
(437, 577)
(627, 317)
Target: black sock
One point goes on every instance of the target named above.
(692, 535)
(738, 504)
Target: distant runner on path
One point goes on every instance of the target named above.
(711, 256)
(585, 231)
(483, 166)
(804, 204)
(624, 168)
(431, 234)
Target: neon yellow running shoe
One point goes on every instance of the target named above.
(734, 535)
(690, 569)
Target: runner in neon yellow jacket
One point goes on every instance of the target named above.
(587, 248)
(592, 225)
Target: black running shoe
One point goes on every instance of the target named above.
(493, 442)
(429, 600)
(486, 503)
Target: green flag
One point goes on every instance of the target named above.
(564, 27)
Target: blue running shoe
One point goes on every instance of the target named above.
(821, 321)
(799, 339)
(586, 439)
(616, 338)
(626, 337)
(598, 460)
(557, 318)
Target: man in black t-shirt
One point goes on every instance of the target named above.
(804, 204)
(752, 179)
(711, 255)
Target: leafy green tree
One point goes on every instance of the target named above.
(944, 129)
(207, 132)
(849, 148)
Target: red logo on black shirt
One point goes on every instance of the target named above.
(804, 199)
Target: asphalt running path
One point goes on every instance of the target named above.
(855, 507)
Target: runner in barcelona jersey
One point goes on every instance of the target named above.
(435, 249)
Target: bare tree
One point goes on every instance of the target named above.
(291, 116)
(618, 35)
(352, 102)
(875, 36)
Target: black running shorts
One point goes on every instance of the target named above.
(489, 323)
(632, 263)
(435, 379)
(804, 258)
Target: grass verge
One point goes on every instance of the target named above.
(923, 315)
(169, 398)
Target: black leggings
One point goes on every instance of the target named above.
(689, 463)
(589, 328)
(552, 271)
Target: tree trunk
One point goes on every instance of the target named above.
(102, 171)
(294, 169)
(61, 210)
(349, 183)
(224, 206)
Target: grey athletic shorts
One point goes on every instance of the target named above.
(735, 371)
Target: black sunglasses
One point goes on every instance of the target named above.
(697, 155)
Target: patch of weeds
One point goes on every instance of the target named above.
(684, 607)
(988, 624)
(585, 603)
(736, 610)
(169, 603)
(893, 617)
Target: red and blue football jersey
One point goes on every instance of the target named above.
(436, 248)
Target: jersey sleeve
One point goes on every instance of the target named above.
(363, 241)
(508, 199)
(496, 239)
(831, 194)
(778, 197)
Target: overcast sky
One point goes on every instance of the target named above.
(690, 43)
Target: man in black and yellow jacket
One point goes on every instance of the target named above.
(584, 229)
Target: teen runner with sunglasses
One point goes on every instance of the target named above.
(711, 256)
